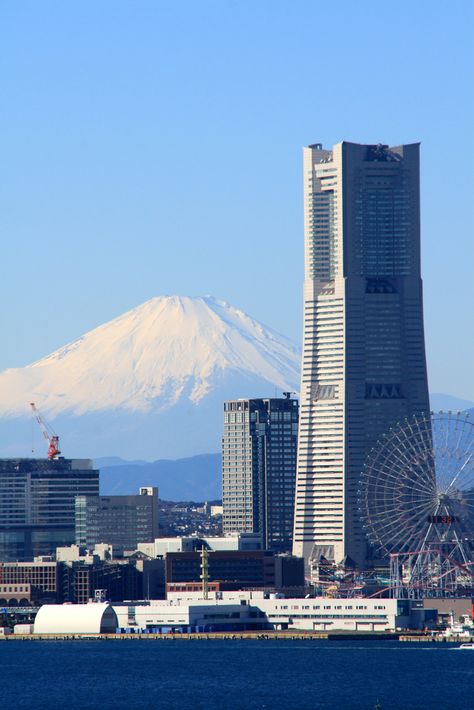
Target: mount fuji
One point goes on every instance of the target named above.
(149, 384)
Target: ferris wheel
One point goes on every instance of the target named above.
(417, 490)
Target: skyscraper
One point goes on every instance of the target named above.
(363, 364)
(37, 498)
(259, 468)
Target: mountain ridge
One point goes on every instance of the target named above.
(190, 478)
(151, 382)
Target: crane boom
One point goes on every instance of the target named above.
(48, 433)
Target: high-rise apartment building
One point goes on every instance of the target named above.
(121, 521)
(259, 468)
(37, 500)
(363, 364)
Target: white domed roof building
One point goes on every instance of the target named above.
(90, 618)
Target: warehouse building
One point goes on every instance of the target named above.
(198, 616)
(94, 618)
(121, 521)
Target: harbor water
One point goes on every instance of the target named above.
(235, 675)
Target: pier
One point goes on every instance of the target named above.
(210, 636)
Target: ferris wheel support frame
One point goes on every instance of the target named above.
(417, 504)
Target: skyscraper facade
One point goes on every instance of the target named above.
(37, 504)
(259, 469)
(363, 363)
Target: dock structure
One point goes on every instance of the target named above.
(211, 636)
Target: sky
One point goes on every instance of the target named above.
(153, 147)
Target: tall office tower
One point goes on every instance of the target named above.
(363, 365)
(121, 521)
(259, 469)
(37, 500)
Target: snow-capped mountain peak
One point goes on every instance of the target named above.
(167, 350)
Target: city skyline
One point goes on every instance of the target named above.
(221, 345)
(101, 139)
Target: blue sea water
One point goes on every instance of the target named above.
(235, 675)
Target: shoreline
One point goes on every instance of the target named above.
(239, 636)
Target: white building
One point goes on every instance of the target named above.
(90, 618)
(75, 553)
(247, 608)
(363, 364)
(193, 616)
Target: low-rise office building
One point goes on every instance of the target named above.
(236, 569)
(15, 595)
(161, 617)
(190, 612)
(75, 581)
(254, 568)
(42, 578)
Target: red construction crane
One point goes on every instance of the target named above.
(48, 433)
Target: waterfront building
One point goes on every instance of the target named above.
(189, 612)
(363, 362)
(198, 616)
(94, 618)
(259, 468)
(37, 500)
(121, 521)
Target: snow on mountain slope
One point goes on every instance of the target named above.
(150, 357)
(161, 367)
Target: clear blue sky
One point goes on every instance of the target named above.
(154, 148)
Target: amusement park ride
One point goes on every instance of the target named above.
(417, 505)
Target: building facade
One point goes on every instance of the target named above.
(363, 363)
(37, 503)
(189, 612)
(255, 568)
(121, 521)
(42, 578)
(46, 582)
(259, 469)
